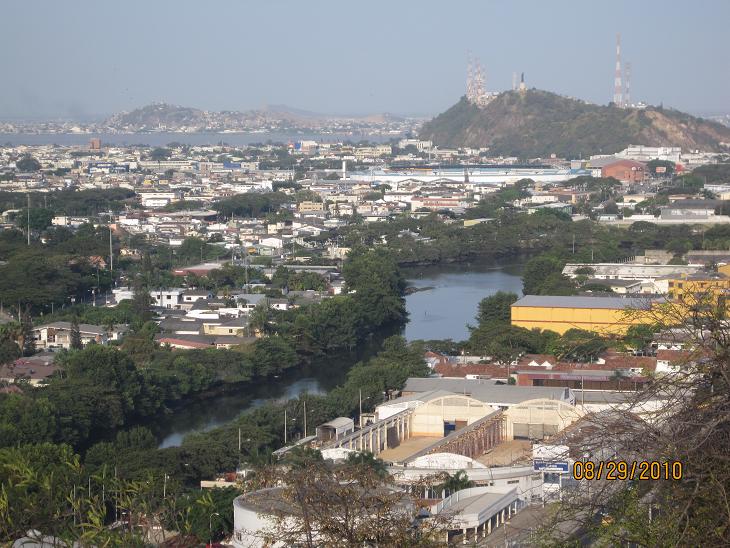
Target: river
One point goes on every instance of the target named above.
(438, 313)
(444, 310)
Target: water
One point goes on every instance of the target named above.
(206, 413)
(163, 139)
(209, 413)
(444, 311)
(438, 313)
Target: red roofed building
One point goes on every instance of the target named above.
(626, 171)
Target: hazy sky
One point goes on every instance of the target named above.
(83, 58)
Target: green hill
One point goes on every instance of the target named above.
(538, 123)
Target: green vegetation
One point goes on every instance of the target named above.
(298, 281)
(539, 123)
(27, 164)
(713, 173)
(251, 204)
(70, 202)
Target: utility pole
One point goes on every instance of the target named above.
(28, 226)
(111, 252)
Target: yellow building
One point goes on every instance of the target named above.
(697, 288)
(604, 315)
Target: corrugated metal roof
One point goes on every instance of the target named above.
(486, 390)
(553, 301)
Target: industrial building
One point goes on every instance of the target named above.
(604, 315)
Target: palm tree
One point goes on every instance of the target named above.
(259, 319)
(455, 483)
(366, 458)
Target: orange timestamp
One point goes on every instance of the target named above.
(622, 470)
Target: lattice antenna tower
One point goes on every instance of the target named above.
(627, 84)
(617, 85)
(470, 78)
(479, 93)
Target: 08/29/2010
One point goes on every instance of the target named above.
(623, 470)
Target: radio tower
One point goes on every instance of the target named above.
(627, 84)
(469, 78)
(617, 86)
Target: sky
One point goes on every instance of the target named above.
(82, 59)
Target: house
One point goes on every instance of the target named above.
(167, 298)
(35, 370)
(58, 334)
(237, 327)
(189, 296)
(185, 342)
(182, 326)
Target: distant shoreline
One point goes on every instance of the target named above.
(203, 138)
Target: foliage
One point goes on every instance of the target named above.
(27, 164)
(298, 281)
(577, 345)
(543, 276)
(496, 308)
(652, 166)
(535, 124)
(251, 204)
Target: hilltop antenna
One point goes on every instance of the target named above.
(475, 90)
(514, 81)
(469, 77)
(617, 86)
(627, 84)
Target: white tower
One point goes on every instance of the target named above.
(617, 85)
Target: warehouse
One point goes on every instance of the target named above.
(604, 315)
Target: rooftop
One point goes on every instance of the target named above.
(615, 303)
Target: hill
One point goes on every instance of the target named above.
(539, 123)
(163, 116)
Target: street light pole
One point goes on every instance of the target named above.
(210, 526)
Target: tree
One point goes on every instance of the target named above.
(496, 308)
(160, 153)
(578, 345)
(27, 164)
(347, 505)
(666, 168)
(639, 336)
(689, 430)
(10, 347)
(142, 305)
(27, 342)
(456, 482)
(260, 319)
(75, 336)
(543, 276)
(40, 218)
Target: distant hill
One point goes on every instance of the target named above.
(159, 114)
(163, 116)
(539, 123)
